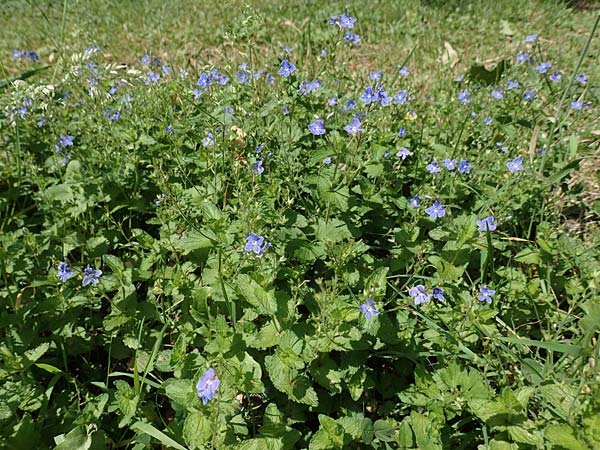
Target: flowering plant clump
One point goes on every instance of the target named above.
(287, 239)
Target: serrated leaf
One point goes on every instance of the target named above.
(197, 430)
(264, 301)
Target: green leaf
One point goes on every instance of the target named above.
(562, 435)
(335, 230)
(165, 440)
(571, 349)
(197, 430)
(180, 391)
(76, 439)
(264, 301)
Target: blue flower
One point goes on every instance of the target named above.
(419, 294)
(350, 105)
(486, 294)
(502, 147)
(66, 140)
(354, 127)
(402, 132)
(529, 95)
(209, 140)
(516, 165)
(375, 76)
(436, 210)
(582, 79)
(256, 244)
(169, 128)
(403, 71)
(369, 96)
(486, 223)
(91, 276)
(327, 160)
(166, 70)
(153, 77)
(207, 385)
(512, 84)
(543, 67)
(384, 98)
(433, 167)
(112, 114)
(352, 38)
(317, 127)
(522, 57)
(368, 309)
(64, 271)
(287, 49)
(286, 69)
(530, 39)
(578, 105)
(401, 97)
(403, 153)
(146, 59)
(498, 93)
(488, 120)
(450, 164)
(257, 167)
(332, 101)
(464, 97)
(555, 77)
(438, 294)
(414, 202)
(346, 21)
(464, 166)
(204, 81)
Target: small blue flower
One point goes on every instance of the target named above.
(354, 127)
(91, 276)
(327, 160)
(209, 140)
(529, 95)
(317, 127)
(153, 77)
(486, 294)
(347, 21)
(414, 202)
(488, 120)
(368, 309)
(487, 223)
(433, 167)
(257, 167)
(578, 105)
(332, 101)
(544, 67)
(555, 77)
(401, 97)
(419, 294)
(256, 244)
(403, 153)
(228, 110)
(286, 68)
(403, 71)
(112, 114)
(146, 60)
(512, 84)
(169, 128)
(522, 57)
(402, 132)
(287, 49)
(582, 79)
(516, 165)
(64, 271)
(438, 294)
(369, 95)
(352, 38)
(375, 76)
(207, 385)
(498, 93)
(464, 97)
(530, 39)
(436, 210)
(502, 147)
(350, 105)
(166, 70)
(450, 164)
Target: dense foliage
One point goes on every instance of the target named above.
(299, 255)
